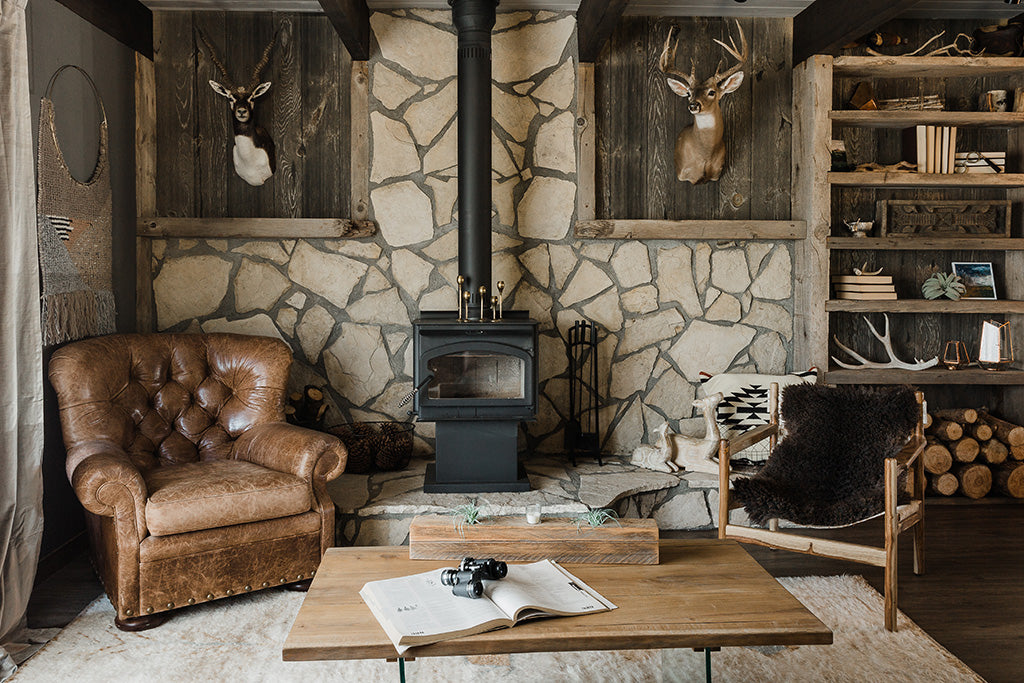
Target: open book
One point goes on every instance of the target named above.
(419, 610)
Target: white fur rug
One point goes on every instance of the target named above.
(240, 640)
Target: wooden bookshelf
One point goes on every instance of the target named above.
(909, 119)
(936, 375)
(926, 243)
(893, 179)
(924, 67)
(939, 306)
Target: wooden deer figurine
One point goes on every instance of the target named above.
(657, 457)
(691, 453)
(700, 147)
(254, 153)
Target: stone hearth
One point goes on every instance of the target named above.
(376, 509)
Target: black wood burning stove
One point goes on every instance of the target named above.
(475, 370)
(477, 380)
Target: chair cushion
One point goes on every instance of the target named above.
(216, 493)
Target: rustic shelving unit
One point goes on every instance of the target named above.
(824, 198)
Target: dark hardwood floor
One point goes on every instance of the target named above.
(971, 599)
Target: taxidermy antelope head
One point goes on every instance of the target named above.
(700, 149)
(254, 153)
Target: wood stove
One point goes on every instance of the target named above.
(477, 380)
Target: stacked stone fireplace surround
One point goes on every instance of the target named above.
(666, 310)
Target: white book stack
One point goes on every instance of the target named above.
(935, 148)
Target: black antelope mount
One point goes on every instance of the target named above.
(700, 147)
(254, 153)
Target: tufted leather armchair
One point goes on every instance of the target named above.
(194, 487)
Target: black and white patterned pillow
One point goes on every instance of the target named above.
(745, 403)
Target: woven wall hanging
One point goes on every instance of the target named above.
(74, 234)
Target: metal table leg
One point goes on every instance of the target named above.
(401, 669)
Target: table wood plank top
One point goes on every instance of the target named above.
(704, 593)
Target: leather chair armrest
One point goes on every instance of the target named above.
(296, 450)
(108, 483)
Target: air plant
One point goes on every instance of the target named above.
(596, 518)
(468, 513)
(943, 284)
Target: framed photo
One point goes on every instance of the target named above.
(978, 279)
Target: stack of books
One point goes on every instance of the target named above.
(864, 287)
(935, 149)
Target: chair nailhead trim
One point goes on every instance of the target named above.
(248, 588)
(312, 572)
(149, 610)
(191, 601)
(300, 576)
(209, 596)
(266, 583)
(284, 580)
(229, 592)
(128, 612)
(170, 605)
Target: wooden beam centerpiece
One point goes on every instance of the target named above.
(351, 19)
(824, 26)
(691, 230)
(512, 539)
(595, 21)
(256, 228)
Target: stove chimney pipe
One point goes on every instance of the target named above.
(474, 20)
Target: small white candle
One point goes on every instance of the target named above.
(533, 514)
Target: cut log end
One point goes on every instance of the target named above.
(975, 480)
(947, 430)
(944, 484)
(965, 449)
(1009, 479)
(994, 452)
(937, 458)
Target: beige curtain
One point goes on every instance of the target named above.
(21, 363)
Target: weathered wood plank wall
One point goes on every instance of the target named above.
(306, 111)
(638, 119)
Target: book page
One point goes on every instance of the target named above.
(544, 586)
(420, 606)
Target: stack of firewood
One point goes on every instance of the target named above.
(973, 453)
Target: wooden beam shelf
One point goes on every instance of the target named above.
(924, 67)
(895, 179)
(936, 375)
(924, 243)
(691, 230)
(255, 228)
(996, 307)
(908, 119)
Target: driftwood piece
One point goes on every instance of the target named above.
(975, 480)
(1009, 479)
(994, 452)
(947, 430)
(944, 484)
(936, 457)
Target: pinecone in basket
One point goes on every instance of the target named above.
(395, 448)
(361, 440)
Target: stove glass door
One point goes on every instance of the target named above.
(477, 374)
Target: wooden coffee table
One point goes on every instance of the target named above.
(704, 594)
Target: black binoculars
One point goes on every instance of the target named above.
(467, 580)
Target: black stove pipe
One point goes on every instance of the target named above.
(474, 20)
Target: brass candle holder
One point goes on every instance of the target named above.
(483, 300)
(465, 298)
(501, 298)
(494, 308)
(461, 280)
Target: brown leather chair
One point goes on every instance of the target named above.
(194, 486)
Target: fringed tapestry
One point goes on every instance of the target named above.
(74, 224)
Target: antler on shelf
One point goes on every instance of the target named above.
(894, 362)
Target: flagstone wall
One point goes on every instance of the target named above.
(667, 309)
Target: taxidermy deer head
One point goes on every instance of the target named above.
(254, 153)
(700, 149)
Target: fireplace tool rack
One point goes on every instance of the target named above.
(583, 432)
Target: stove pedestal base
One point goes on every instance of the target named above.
(476, 456)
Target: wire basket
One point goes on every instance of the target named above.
(386, 445)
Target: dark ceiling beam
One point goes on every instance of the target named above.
(351, 19)
(595, 21)
(826, 25)
(127, 21)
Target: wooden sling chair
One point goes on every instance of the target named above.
(847, 450)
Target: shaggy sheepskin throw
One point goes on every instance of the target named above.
(829, 469)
